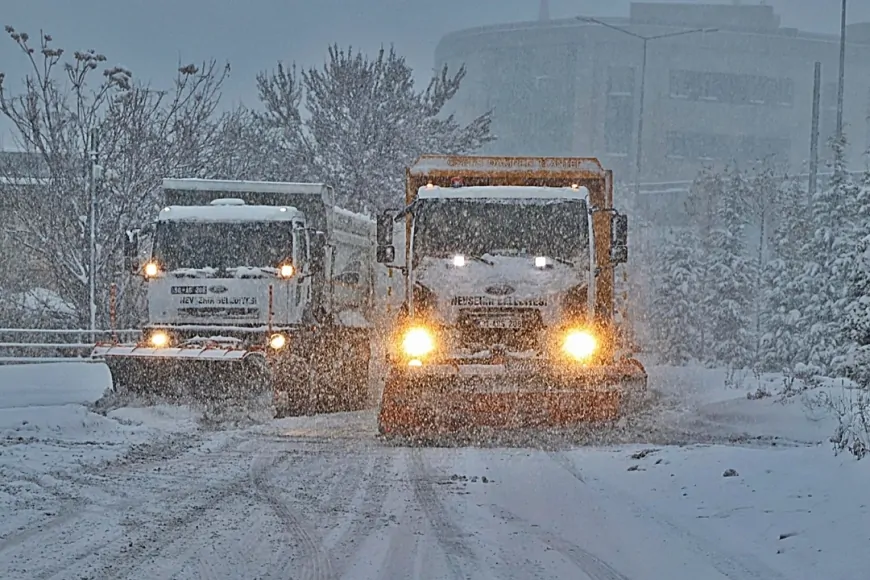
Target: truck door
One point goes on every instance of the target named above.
(302, 262)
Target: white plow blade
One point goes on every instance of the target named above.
(204, 353)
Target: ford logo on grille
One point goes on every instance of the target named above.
(217, 289)
(500, 290)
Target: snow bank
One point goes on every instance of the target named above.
(48, 433)
(52, 384)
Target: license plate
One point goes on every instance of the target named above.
(501, 322)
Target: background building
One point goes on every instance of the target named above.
(743, 92)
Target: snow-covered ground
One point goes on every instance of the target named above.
(156, 492)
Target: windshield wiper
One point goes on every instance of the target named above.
(479, 259)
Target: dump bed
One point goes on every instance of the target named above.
(441, 170)
(312, 199)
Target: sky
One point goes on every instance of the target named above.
(151, 36)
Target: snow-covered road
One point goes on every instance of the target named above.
(156, 493)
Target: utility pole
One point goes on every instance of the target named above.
(814, 133)
(842, 78)
(94, 154)
(639, 146)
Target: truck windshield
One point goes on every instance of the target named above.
(222, 245)
(556, 229)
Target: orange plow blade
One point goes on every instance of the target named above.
(428, 402)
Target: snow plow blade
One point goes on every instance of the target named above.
(424, 403)
(186, 374)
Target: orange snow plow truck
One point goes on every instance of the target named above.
(501, 297)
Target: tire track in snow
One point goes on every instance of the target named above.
(317, 563)
(366, 511)
(400, 557)
(745, 567)
(189, 503)
(447, 533)
(728, 565)
(587, 562)
(566, 464)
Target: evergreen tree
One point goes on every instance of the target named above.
(674, 315)
(731, 274)
(783, 340)
(854, 362)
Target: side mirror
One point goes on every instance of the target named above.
(386, 253)
(131, 251)
(317, 250)
(619, 239)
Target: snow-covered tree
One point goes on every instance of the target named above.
(725, 272)
(828, 261)
(366, 122)
(783, 338)
(673, 315)
(702, 306)
(144, 135)
(731, 274)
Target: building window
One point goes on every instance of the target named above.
(713, 147)
(731, 88)
(764, 149)
(697, 146)
(620, 81)
(619, 114)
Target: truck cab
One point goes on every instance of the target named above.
(226, 265)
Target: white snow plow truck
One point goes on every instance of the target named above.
(504, 309)
(254, 289)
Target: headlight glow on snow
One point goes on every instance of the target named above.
(277, 341)
(580, 344)
(151, 269)
(159, 339)
(286, 271)
(418, 342)
(459, 260)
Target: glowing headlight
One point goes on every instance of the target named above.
(459, 260)
(151, 269)
(580, 344)
(286, 271)
(541, 262)
(159, 339)
(418, 342)
(277, 341)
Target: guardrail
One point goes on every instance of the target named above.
(43, 345)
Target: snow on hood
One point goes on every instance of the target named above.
(516, 272)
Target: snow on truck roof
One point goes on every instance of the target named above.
(228, 210)
(502, 192)
(224, 185)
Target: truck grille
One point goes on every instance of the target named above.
(512, 327)
(220, 312)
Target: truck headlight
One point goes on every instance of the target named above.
(580, 344)
(159, 339)
(418, 342)
(151, 269)
(277, 341)
(286, 271)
